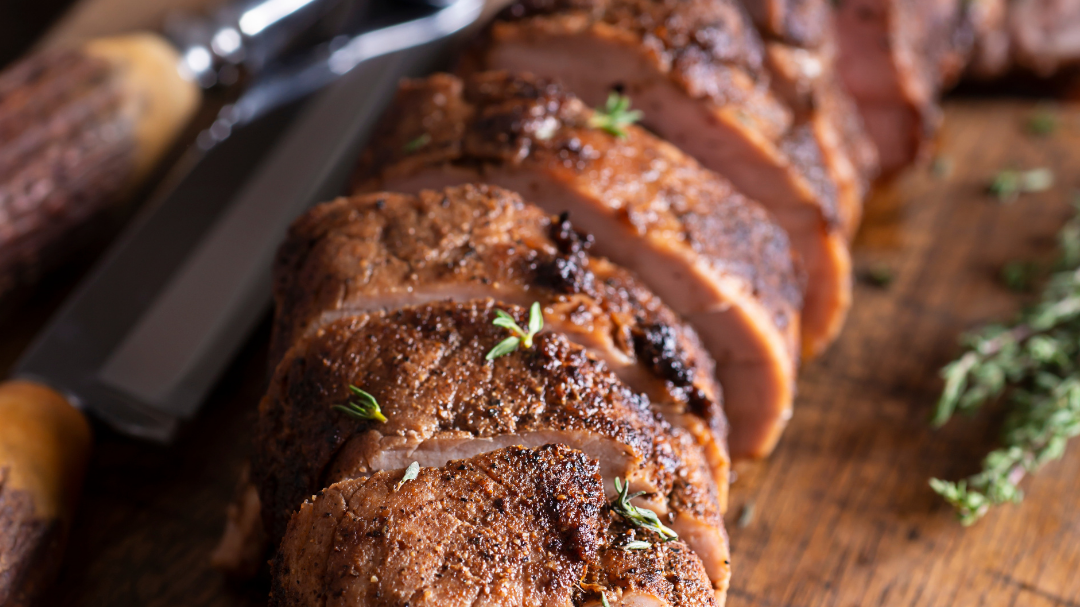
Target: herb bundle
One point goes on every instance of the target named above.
(1033, 362)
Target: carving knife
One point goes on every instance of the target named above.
(146, 335)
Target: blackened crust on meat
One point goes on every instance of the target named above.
(426, 367)
(516, 524)
(692, 36)
(497, 119)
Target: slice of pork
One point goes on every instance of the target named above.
(510, 527)
(1037, 36)
(715, 257)
(805, 77)
(443, 400)
(381, 252)
(896, 57)
(695, 69)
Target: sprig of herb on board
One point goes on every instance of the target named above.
(615, 115)
(1043, 122)
(1008, 185)
(520, 336)
(1034, 363)
(364, 407)
(639, 517)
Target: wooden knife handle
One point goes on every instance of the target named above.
(44, 448)
(79, 129)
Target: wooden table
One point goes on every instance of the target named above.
(842, 513)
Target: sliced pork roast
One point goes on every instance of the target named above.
(1037, 36)
(382, 252)
(896, 57)
(713, 255)
(800, 56)
(510, 527)
(442, 399)
(694, 67)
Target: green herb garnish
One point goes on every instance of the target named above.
(636, 545)
(410, 474)
(1042, 123)
(639, 517)
(415, 144)
(365, 407)
(520, 337)
(1034, 362)
(615, 115)
(1009, 185)
(603, 599)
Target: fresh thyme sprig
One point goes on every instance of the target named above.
(1034, 361)
(365, 407)
(520, 336)
(615, 115)
(639, 517)
(410, 474)
(1008, 185)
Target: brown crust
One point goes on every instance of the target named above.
(533, 521)
(344, 253)
(495, 118)
(696, 38)
(358, 254)
(426, 367)
(29, 547)
(68, 153)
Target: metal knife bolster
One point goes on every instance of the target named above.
(247, 33)
(148, 333)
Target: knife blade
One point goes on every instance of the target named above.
(147, 334)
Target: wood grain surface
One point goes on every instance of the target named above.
(841, 515)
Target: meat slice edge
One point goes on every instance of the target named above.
(517, 526)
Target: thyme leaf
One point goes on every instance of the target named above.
(636, 545)
(615, 115)
(520, 336)
(410, 474)
(639, 517)
(1033, 362)
(364, 407)
(603, 599)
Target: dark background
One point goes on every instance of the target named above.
(22, 21)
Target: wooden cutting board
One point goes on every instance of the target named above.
(842, 514)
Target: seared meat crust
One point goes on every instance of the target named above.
(426, 367)
(513, 526)
(718, 258)
(382, 251)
